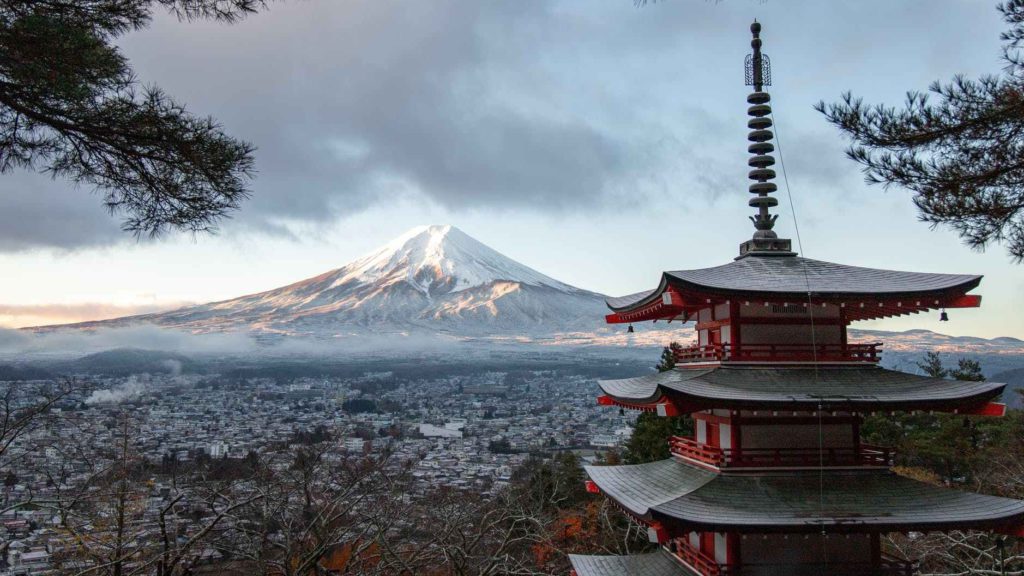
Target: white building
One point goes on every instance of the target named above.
(431, 431)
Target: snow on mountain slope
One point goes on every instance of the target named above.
(441, 259)
(434, 278)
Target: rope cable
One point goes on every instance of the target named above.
(814, 344)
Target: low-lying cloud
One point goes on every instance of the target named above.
(22, 315)
(27, 345)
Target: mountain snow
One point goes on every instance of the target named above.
(432, 278)
(441, 260)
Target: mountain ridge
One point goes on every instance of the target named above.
(432, 278)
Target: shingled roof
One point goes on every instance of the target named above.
(795, 276)
(834, 388)
(839, 501)
(658, 563)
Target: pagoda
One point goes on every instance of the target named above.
(776, 479)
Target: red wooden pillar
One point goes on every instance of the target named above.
(732, 551)
(734, 329)
(856, 438)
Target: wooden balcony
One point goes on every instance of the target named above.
(864, 455)
(798, 353)
(698, 560)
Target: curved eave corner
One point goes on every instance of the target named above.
(638, 488)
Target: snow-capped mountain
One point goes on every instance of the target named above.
(434, 278)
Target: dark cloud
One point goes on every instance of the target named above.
(37, 211)
(460, 103)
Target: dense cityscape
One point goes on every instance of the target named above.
(465, 432)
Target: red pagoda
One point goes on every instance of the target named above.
(776, 479)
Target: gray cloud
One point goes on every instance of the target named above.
(547, 105)
(37, 211)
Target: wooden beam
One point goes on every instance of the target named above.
(996, 409)
(965, 301)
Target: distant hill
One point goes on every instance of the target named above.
(10, 373)
(126, 361)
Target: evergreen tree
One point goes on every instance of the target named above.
(961, 156)
(649, 441)
(70, 106)
(932, 365)
(944, 444)
(668, 357)
(969, 370)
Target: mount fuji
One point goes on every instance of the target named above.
(432, 278)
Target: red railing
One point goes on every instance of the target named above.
(698, 560)
(690, 448)
(863, 455)
(781, 353)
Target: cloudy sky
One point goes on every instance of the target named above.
(597, 142)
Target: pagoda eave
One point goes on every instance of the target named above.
(847, 389)
(682, 498)
(864, 293)
(660, 563)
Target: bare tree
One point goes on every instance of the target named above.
(114, 523)
(26, 409)
(316, 512)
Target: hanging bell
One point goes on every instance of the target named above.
(943, 317)
(630, 329)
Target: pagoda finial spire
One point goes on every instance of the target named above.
(759, 75)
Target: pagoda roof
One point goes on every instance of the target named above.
(660, 563)
(795, 276)
(854, 388)
(838, 501)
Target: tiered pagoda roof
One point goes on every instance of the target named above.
(864, 293)
(675, 492)
(845, 388)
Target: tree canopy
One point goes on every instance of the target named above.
(649, 441)
(959, 147)
(71, 106)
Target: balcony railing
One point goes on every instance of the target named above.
(690, 448)
(867, 353)
(698, 560)
(863, 455)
